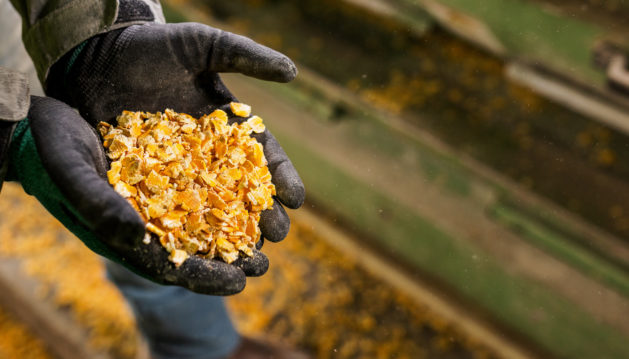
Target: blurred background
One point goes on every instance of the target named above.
(467, 188)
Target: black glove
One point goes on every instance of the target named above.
(59, 159)
(152, 67)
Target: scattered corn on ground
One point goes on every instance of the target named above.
(17, 341)
(317, 298)
(313, 297)
(70, 274)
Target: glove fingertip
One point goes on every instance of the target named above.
(210, 276)
(253, 266)
(124, 228)
(287, 70)
(234, 286)
(274, 223)
(294, 197)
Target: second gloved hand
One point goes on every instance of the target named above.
(58, 158)
(153, 66)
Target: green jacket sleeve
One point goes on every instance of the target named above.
(53, 27)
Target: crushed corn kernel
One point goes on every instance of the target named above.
(240, 109)
(199, 184)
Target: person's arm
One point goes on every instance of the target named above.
(51, 28)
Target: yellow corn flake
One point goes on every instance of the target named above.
(156, 207)
(132, 122)
(226, 179)
(152, 148)
(256, 156)
(244, 248)
(256, 124)
(191, 246)
(238, 156)
(220, 148)
(154, 229)
(252, 227)
(188, 127)
(155, 182)
(196, 223)
(173, 219)
(125, 190)
(129, 119)
(240, 109)
(199, 164)
(178, 149)
(173, 170)
(103, 128)
(162, 130)
(113, 175)
(216, 201)
(219, 115)
(208, 179)
(189, 200)
(263, 174)
(135, 131)
(226, 250)
(130, 169)
(219, 214)
(234, 173)
(119, 144)
(200, 184)
(178, 256)
(248, 166)
(166, 154)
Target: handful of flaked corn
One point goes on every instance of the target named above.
(199, 184)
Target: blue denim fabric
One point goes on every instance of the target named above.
(177, 323)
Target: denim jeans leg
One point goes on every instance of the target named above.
(176, 322)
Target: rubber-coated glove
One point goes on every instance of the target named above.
(152, 67)
(58, 158)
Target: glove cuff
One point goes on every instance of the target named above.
(6, 133)
(14, 104)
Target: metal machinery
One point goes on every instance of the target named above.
(481, 145)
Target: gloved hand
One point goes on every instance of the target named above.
(152, 67)
(58, 158)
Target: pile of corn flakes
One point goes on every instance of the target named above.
(199, 184)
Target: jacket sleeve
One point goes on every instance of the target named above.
(14, 104)
(50, 28)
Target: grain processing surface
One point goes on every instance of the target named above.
(313, 296)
